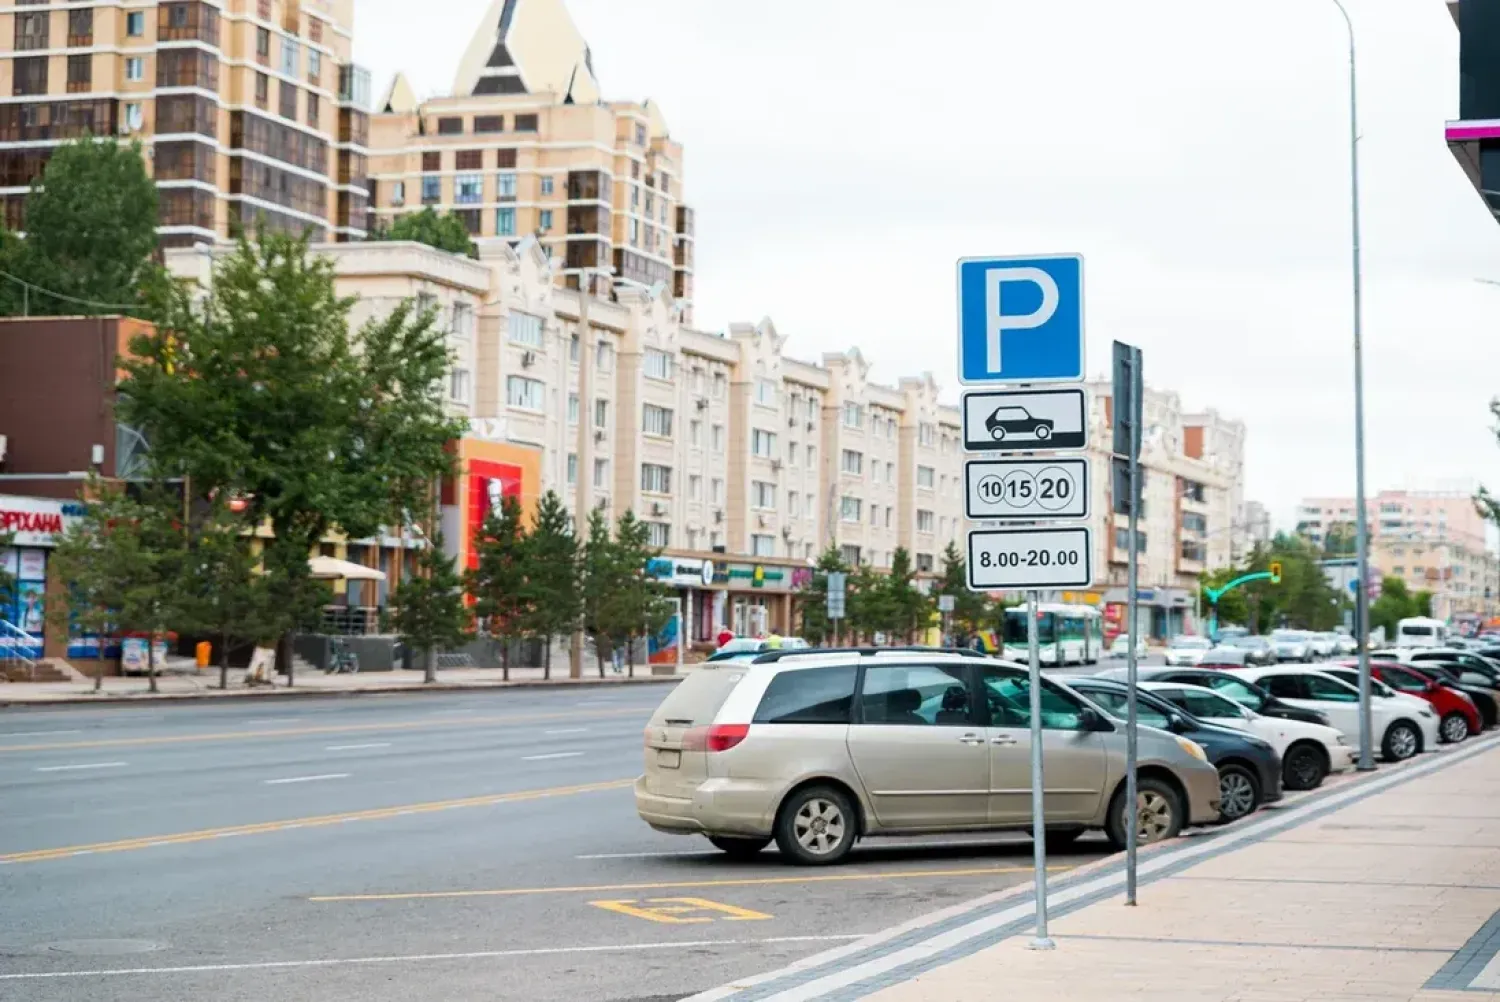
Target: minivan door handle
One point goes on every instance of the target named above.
(971, 739)
(1002, 739)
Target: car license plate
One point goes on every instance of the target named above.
(668, 758)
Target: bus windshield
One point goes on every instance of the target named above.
(1015, 627)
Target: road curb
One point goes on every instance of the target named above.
(218, 695)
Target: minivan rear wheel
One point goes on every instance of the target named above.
(816, 826)
(1157, 817)
(739, 848)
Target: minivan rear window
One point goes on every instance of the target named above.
(808, 696)
(697, 698)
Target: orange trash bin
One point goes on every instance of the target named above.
(204, 652)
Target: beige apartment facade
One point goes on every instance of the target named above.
(251, 112)
(524, 145)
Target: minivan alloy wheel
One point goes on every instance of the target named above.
(1153, 816)
(819, 826)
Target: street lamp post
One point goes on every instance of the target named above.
(1362, 530)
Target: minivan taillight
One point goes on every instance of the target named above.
(717, 738)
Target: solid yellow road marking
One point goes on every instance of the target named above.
(822, 878)
(679, 910)
(267, 827)
(280, 732)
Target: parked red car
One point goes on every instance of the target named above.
(1458, 717)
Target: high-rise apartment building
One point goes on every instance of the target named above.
(1474, 138)
(525, 145)
(250, 111)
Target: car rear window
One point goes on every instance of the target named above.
(808, 696)
(697, 698)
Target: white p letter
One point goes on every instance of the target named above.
(998, 322)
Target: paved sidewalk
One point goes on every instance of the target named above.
(205, 685)
(1378, 888)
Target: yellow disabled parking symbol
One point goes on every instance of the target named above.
(680, 911)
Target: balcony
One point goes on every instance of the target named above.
(354, 127)
(588, 221)
(354, 86)
(586, 185)
(685, 223)
(587, 254)
(176, 22)
(682, 255)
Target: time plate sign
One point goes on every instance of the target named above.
(1030, 489)
(1014, 559)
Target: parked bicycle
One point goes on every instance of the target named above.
(342, 660)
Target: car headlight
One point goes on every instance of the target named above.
(1193, 748)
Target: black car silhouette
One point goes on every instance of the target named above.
(1007, 421)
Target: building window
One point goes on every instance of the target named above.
(458, 386)
(604, 356)
(716, 434)
(468, 189)
(432, 190)
(849, 555)
(695, 433)
(854, 416)
(656, 421)
(30, 75)
(716, 491)
(505, 185)
(135, 24)
(450, 126)
(524, 329)
(656, 479)
(924, 521)
(924, 476)
(313, 109)
(527, 123)
(572, 469)
(488, 124)
(762, 495)
(850, 508)
(432, 162)
(1122, 540)
(288, 108)
(468, 160)
(890, 513)
(924, 563)
(572, 408)
(80, 28)
(544, 220)
(527, 394)
(762, 546)
(791, 454)
(601, 413)
(575, 349)
(658, 364)
(135, 69)
(890, 473)
(80, 74)
(291, 57)
(547, 185)
(135, 118)
(314, 65)
(762, 443)
(262, 90)
(695, 488)
(853, 462)
(812, 457)
(398, 192)
(926, 433)
(720, 385)
(601, 474)
(505, 222)
(765, 392)
(263, 45)
(793, 503)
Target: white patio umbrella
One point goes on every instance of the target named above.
(330, 569)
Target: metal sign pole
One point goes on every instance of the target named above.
(1132, 809)
(1038, 801)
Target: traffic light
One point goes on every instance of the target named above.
(1276, 572)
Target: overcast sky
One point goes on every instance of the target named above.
(842, 155)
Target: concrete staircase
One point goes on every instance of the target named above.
(46, 670)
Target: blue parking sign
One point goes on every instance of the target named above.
(1020, 320)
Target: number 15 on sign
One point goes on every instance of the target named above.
(1006, 559)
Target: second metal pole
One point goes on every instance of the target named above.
(1132, 809)
(1038, 792)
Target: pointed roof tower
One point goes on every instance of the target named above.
(400, 98)
(528, 47)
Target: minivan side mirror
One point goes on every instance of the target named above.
(1092, 720)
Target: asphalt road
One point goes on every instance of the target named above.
(465, 846)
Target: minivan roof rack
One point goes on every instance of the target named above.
(771, 657)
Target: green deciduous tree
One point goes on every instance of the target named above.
(497, 581)
(430, 611)
(259, 390)
(444, 231)
(90, 233)
(222, 592)
(551, 591)
(639, 605)
(1394, 604)
(601, 577)
(125, 559)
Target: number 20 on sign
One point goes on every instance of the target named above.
(1030, 558)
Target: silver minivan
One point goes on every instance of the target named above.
(816, 749)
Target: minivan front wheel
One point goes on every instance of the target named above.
(816, 826)
(739, 848)
(1157, 817)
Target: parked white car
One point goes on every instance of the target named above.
(1401, 728)
(1120, 646)
(1184, 652)
(1323, 645)
(1291, 645)
(1309, 752)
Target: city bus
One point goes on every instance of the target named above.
(1066, 634)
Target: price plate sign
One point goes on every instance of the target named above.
(1016, 559)
(1029, 489)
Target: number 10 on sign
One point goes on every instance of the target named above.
(1034, 490)
(1003, 559)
